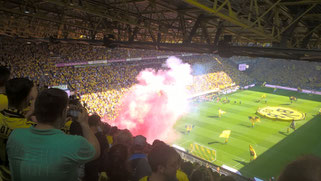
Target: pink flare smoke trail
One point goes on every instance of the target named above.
(159, 99)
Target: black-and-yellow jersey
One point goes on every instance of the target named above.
(66, 127)
(10, 119)
(3, 102)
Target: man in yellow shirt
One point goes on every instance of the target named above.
(4, 77)
(3, 101)
(20, 92)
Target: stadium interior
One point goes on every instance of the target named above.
(233, 86)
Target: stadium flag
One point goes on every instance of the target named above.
(220, 112)
(225, 134)
(252, 153)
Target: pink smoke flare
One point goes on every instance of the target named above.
(159, 99)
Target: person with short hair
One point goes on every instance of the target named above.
(44, 152)
(93, 168)
(19, 91)
(117, 168)
(198, 175)
(4, 77)
(307, 168)
(124, 137)
(180, 174)
(138, 160)
(164, 163)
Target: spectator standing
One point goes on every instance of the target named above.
(117, 164)
(93, 168)
(20, 92)
(4, 77)
(44, 152)
(138, 161)
(307, 168)
(164, 163)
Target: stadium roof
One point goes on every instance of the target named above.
(214, 26)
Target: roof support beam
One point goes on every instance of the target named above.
(230, 18)
(182, 24)
(297, 18)
(218, 33)
(262, 15)
(210, 23)
(305, 41)
(133, 35)
(310, 32)
(43, 17)
(205, 32)
(298, 2)
(193, 31)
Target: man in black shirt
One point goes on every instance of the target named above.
(93, 168)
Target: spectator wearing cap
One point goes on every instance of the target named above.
(138, 160)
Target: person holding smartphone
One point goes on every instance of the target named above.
(44, 152)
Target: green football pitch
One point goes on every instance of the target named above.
(274, 146)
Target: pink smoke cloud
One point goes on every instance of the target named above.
(160, 98)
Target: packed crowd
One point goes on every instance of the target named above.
(37, 62)
(83, 52)
(103, 152)
(288, 73)
(34, 146)
(110, 86)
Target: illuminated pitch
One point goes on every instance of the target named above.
(281, 113)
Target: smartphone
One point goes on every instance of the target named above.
(74, 113)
